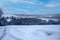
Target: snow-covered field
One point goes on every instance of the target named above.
(31, 32)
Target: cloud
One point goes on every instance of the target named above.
(29, 2)
(21, 1)
(15, 11)
(51, 5)
(15, 1)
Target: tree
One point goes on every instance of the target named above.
(1, 12)
(3, 21)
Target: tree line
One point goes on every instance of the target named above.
(26, 21)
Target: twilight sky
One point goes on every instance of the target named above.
(30, 6)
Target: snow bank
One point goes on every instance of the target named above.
(34, 32)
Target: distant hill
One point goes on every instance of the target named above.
(40, 15)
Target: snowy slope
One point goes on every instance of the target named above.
(33, 32)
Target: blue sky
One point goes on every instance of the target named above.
(30, 6)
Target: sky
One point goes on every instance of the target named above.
(30, 6)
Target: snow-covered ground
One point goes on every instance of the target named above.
(31, 32)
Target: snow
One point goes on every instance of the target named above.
(6, 15)
(8, 20)
(1, 31)
(47, 19)
(32, 32)
(9, 15)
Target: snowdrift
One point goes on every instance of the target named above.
(32, 32)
